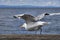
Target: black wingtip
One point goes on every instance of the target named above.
(14, 16)
(46, 14)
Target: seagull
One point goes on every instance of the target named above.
(33, 23)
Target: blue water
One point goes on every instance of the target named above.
(10, 25)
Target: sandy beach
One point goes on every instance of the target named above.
(29, 37)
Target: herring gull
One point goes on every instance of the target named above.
(32, 22)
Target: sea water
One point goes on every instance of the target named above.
(10, 25)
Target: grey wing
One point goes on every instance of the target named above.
(28, 18)
(39, 17)
(44, 14)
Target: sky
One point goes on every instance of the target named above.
(31, 2)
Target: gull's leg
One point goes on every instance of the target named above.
(40, 31)
(36, 30)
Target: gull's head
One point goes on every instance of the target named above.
(18, 16)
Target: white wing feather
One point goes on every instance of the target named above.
(54, 14)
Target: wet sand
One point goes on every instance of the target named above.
(29, 37)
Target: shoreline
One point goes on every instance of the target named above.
(29, 37)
